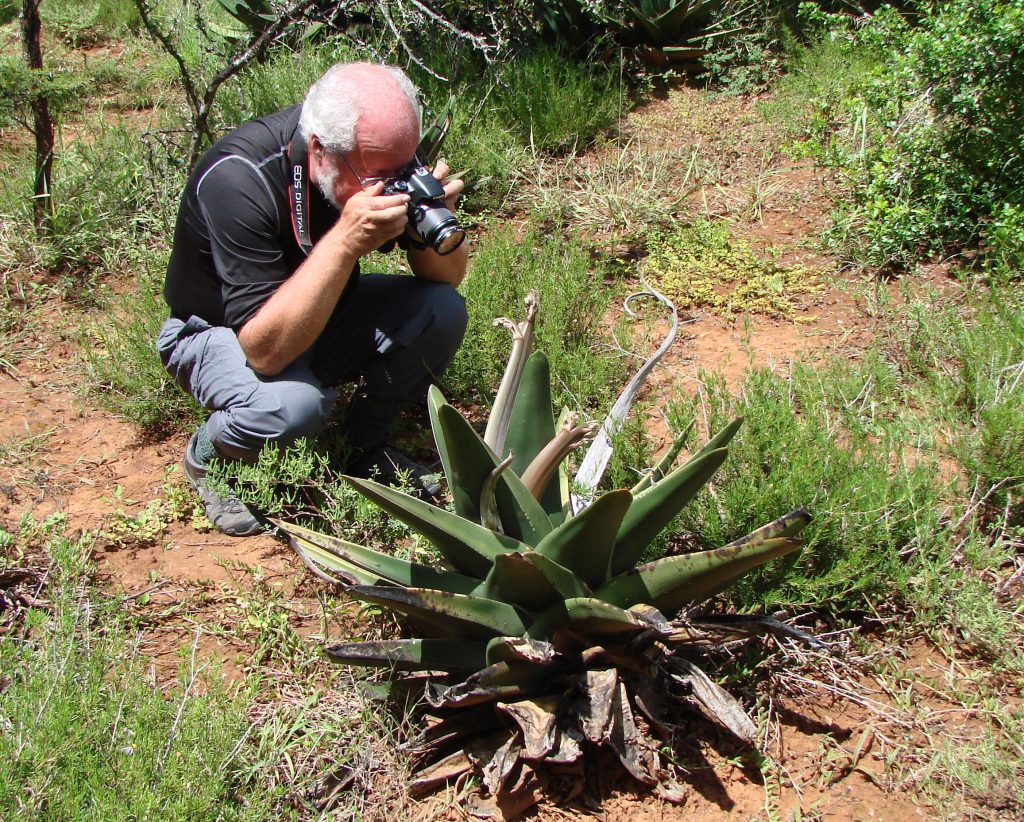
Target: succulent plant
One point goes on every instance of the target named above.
(547, 633)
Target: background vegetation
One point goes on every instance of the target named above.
(911, 454)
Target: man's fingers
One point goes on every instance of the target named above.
(387, 213)
(378, 202)
(453, 188)
(441, 170)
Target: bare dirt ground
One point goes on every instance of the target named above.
(840, 744)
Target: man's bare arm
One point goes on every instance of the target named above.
(295, 315)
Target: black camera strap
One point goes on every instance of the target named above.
(298, 192)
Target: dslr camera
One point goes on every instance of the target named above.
(428, 215)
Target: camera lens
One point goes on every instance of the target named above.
(436, 225)
(449, 239)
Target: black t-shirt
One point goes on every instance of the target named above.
(233, 243)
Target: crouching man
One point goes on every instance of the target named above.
(268, 311)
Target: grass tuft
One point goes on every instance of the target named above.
(704, 266)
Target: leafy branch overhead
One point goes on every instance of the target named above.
(546, 633)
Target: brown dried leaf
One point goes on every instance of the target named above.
(650, 704)
(535, 651)
(632, 749)
(440, 772)
(495, 757)
(653, 617)
(536, 719)
(568, 750)
(595, 710)
(507, 805)
(442, 732)
(719, 703)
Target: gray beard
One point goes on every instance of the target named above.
(325, 181)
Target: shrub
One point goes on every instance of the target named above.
(554, 102)
(945, 154)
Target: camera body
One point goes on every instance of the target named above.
(428, 214)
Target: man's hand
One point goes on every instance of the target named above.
(371, 218)
(452, 188)
(426, 263)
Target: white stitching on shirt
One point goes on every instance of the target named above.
(259, 174)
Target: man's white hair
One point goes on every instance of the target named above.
(335, 103)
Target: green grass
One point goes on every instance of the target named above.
(122, 368)
(886, 455)
(88, 735)
(88, 23)
(503, 268)
(553, 102)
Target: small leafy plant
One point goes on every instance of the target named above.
(549, 633)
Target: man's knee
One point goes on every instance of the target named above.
(450, 317)
(280, 415)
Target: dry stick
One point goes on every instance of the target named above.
(386, 14)
(598, 455)
(42, 122)
(201, 107)
(193, 675)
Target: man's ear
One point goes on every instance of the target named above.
(315, 151)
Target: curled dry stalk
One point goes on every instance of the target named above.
(543, 467)
(592, 469)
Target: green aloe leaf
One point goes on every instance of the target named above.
(720, 440)
(564, 496)
(653, 509)
(584, 543)
(675, 582)
(469, 548)
(372, 567)
(788, 525)
(433, 136)
(412, 654)
(586, 615)
(468, 462)
(457, 615)
(665, 463)
(529, 580)
(532, 425)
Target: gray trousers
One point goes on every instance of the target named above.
(395, 334)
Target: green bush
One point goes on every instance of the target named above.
(108, 206)
(805, 442)
(942, 159)
(553, 102)
(966, 362)
(886, 453)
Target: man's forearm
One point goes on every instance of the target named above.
(291, 320)
(427, 264)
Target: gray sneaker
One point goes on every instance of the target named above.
(227, 513)
(389, 466)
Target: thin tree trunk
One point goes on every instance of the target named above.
(42, 122)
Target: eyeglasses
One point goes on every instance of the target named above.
(366, 182)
